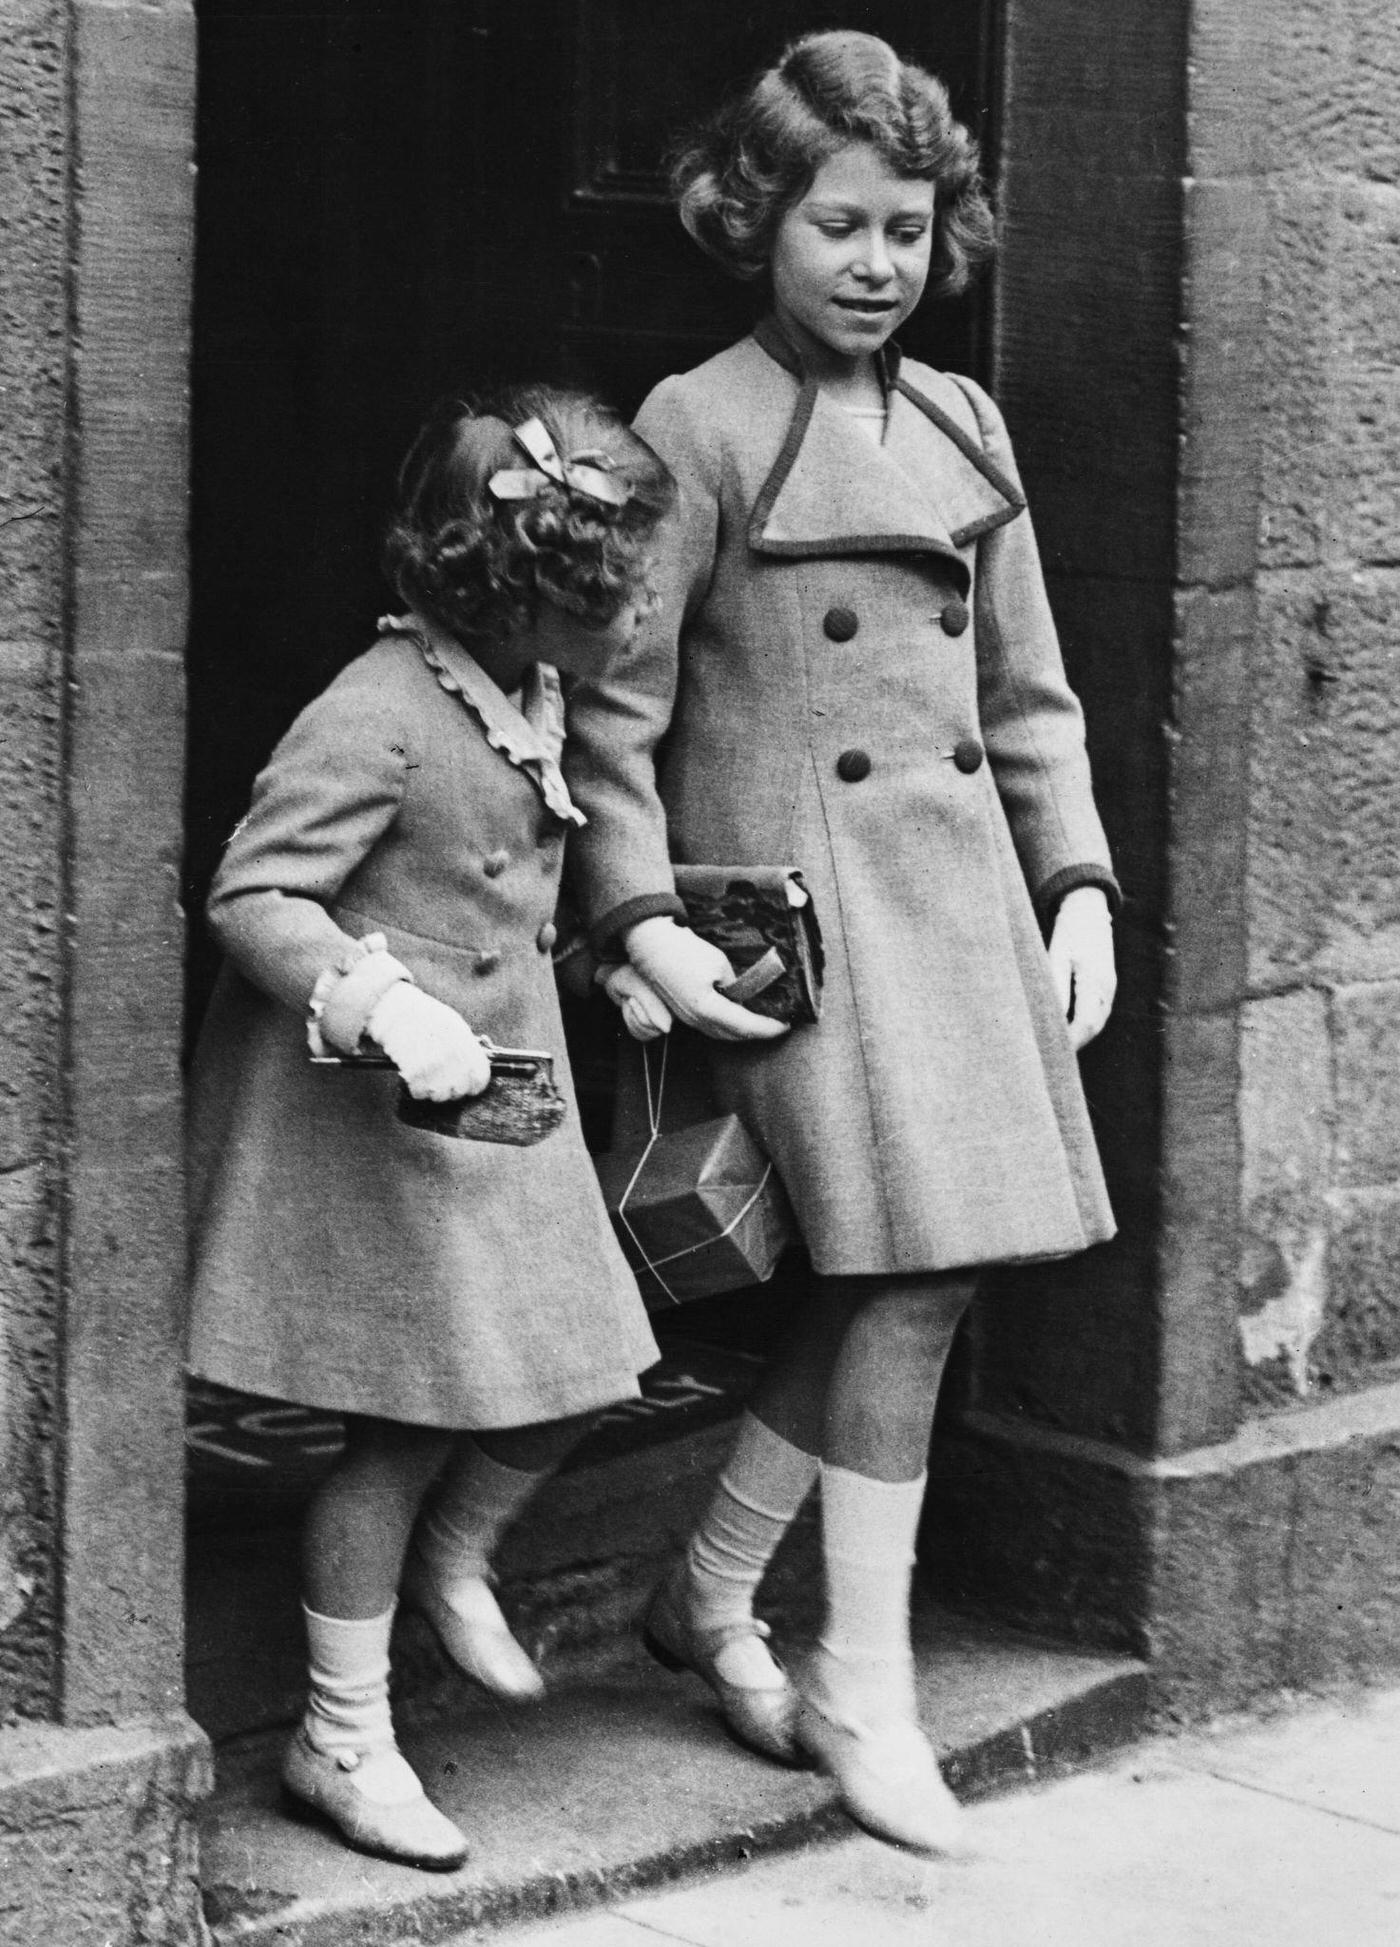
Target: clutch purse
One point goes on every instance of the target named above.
(521, 1104)
(763, 919)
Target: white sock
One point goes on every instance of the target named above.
(348, 1706)
(763, 1485)
(470, 1509)
(866, 1661)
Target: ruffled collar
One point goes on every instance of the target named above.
(530, 737)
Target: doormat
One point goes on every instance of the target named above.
(262, 1457)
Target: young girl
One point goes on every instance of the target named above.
(856, 673)
(392, 887)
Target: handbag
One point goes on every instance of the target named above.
(763, 919)
(520, 1105)
(698, 1210)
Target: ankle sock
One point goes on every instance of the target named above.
(348, 1705)
(865, 1660)
(764, 1483)
(470, 1509)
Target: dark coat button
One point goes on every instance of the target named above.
(495, 863)
(853, 765)
(840, 624)
(968, 755)
(955, 617)
(487, 963)
(546, 936)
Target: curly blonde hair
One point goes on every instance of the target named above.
(743, 169)
(479, 567)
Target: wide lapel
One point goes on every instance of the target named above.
(927, 489)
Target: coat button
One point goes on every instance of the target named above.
(840, 624)
(495, 863)
(546, 936)
(968, 756)
(853, 765)
(487, 963)
(955, 617)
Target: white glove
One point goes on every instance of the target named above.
(1081, 961)
(429, 1043)
(644, 1014)
(685, 970)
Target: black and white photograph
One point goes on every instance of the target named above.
(700, 961)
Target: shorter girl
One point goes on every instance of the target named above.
(463, 1304)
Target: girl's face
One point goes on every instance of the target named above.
(851, 259)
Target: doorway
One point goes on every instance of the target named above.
(396, 202)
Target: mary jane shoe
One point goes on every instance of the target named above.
(887, 1775)
(375, 1801)
(754, 1692)
(471, 1628)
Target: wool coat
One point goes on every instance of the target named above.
(854, 671)
(342, 1259)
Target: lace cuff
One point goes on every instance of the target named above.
(346, 994)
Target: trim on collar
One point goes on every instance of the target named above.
(529, 738)
(770, 337)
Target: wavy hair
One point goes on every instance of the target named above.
(479, 567)
(741, 171)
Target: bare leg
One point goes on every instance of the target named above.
(359, 1521)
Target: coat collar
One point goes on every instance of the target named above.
(530, 737)
(928, 489)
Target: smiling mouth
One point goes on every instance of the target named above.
(866, 307)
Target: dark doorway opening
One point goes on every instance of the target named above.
(395, 202)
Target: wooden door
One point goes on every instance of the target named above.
(398, 202)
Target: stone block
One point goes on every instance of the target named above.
(30, 872)
(1324, 828)
(1286, 1115)
(97, 1837)
(1366, 511)
(1226, 123)
(1362, 1328)
(1366, 1037)
(1368, 274)
(1343, 1566)
(1297, 453)
(1223, 393)
(1197, 1234)
(1209, 796)
(1331, 70)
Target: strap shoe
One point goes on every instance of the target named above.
(753, 1689)
(471, 1628)
(375, 1801)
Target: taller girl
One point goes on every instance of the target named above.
(856, 672)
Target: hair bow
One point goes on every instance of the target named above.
(588, 473)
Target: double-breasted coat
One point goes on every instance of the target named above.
(854, 671)
(342, 1259)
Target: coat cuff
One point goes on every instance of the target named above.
(344, 997)
(1048, 896)
(647, 905)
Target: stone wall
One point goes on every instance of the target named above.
(1320, 1048)
(33, 387)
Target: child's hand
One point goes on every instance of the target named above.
(429, 1043)
(644, 1014)
(685, 970)
(1081, 962)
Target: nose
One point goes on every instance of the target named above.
(875, 263)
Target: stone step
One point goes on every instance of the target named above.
(621, 1781)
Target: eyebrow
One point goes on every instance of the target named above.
(911, 212)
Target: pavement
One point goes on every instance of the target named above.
(1283, 1829)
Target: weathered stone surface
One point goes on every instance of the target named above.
(1362, 1329)
(1325, 795)
(97, 1842)
(1297, 437)
(1286, 1113)
(1365, 1023)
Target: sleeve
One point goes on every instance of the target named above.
(330, 791)
(1032, 725)
(620, 862)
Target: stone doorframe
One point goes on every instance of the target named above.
(101, 1769)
